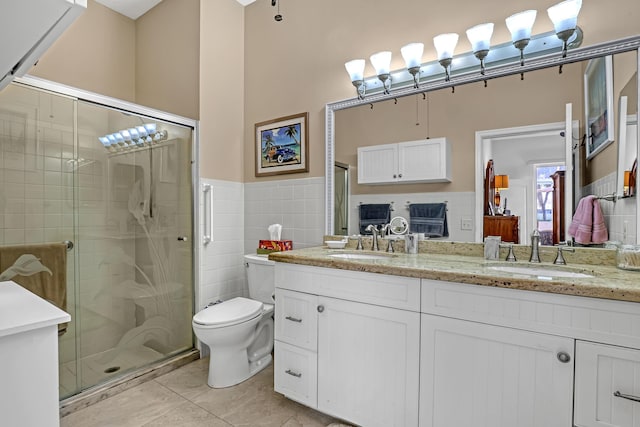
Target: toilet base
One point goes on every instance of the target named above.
(225, 371)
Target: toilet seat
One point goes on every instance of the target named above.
(234, 311)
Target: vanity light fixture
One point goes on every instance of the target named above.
(520, 26)
(480, 39)
(135, 137)
(381, 62)
(567, 34)
(355, 68)
(412, 54)
(126, 138)
(564, 16)
(445, 45)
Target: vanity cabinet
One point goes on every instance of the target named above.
(473, 374)
(383, 350)
(602, 371)
(405, 162)
(366, 343)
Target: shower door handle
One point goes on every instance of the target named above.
(208, 214)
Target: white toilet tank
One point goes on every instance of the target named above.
(260, 277)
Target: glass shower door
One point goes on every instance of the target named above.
(135, 284)
(37, 190)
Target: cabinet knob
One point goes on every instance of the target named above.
(563, 357)
(394, 175)
(399, 175)
(320, 308)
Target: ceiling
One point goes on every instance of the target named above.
(136, 8)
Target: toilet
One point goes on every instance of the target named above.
(239, 331)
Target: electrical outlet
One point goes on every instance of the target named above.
(466, 224)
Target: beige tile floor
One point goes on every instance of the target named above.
(183, 398)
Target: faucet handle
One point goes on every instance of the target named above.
(390, 246)
(560, 258)
(359, 247)
(511, 257)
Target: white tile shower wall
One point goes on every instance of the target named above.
(222, 270)
(620, 217)
(296, 204)
(460, 205)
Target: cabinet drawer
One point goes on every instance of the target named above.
(296, 373)
(601, 371)
(371, 288)
(297, 319)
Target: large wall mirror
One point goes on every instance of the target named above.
(533, 130)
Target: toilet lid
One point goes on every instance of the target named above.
(235, 310)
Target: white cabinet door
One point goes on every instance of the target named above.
(378, 164)
(479, 375)
(368, 363)
(424, 161)
(296, 318)
(601, 371)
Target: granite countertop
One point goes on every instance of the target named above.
(462, 263)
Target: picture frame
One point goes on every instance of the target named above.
(598, 95)
(282, 145)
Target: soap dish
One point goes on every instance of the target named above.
(335, 244)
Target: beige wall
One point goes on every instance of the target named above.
(96, 53)
(222, 90)
(167, 57)
(298, 64)
(152, 61)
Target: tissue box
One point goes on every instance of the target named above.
(266, 246)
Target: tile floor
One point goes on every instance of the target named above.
(183, 398)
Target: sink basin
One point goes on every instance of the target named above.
(360, 257)
(540, 272)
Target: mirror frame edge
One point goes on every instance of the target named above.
(583, 53)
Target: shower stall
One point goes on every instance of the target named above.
(116, 180)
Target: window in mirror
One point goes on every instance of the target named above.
(547, 206)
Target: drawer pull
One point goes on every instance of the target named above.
(563, 357)
(294, 319)
(292, 373)
(626, 396)
(320, 308)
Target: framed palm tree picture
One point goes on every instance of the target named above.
(282, 145)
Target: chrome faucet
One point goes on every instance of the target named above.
(535, 243)
(373, 229)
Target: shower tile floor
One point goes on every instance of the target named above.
(183, 398)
